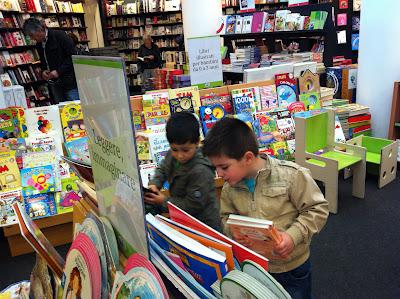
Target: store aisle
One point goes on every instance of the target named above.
(355, 256)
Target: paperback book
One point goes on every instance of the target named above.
(286, 89)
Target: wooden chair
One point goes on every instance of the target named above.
(316, 150)
(381, 153)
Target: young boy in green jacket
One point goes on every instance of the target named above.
(190, 175)
(266, 188)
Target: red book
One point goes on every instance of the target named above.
(359, 118)
(240, 252)
(362, 128)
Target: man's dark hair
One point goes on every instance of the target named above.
(183, 127)
(32, 25)
(230, 137)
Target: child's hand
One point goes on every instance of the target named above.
(285, 246)
(154, 198)
(246, 242)
(153, 188)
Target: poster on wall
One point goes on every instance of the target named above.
(107, 115)
(205, 61)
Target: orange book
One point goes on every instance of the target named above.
(261, 234)
(205, 240)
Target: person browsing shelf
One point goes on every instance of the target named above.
(55, 50)
(262, 187)
(190, 175)
(149, 58)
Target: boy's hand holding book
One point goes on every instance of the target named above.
(155, 197)
(285, 247)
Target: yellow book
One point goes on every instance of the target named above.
(10, 178)
(72, 122)
(191, 92)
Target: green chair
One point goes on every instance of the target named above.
(381, 154)
(317, 150)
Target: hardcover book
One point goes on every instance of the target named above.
(38, 180)
(286, 89)
(310, 100)
(268, 97)
(243, 101)
(10, 178)
(40, 205)
(72, 121)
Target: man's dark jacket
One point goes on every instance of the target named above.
(59, 48)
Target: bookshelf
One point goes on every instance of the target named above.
(305, 38)
(124, 28)
(19, 58)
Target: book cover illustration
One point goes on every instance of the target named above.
(43, 120)
(308, 82)
(191, 93)
(146, 172)
(143, 147)
(155, 108)
(310, 100)
(334, 80)
(261, 234)
(159, 144)
(286, 127)
(40, 205)
(269, 25)
(78, 149)
(222, 99)
(182, 104)
(239, 24)
(244, 101)
(248, 120)
(355, 41)
(355, 23)
(8, 127)
(35, 159)
(286, 89)
(296, 107)
(343, 4)
(281, 150)
(7, 213)
(38, 180)
(138, 120)
(356, 5)
(209, 115)
(268, 97)
(280, 19)
(69, 194)
(230, 24)
(19, 120)
(339, 135)
(72, 122)
(46, 143)
(247, 22)
(341, 19)
(268, 132)
(10, 178)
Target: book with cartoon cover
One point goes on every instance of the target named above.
(38, 180)
(286, 89)
(244, 101)
(7, 214)
(40, 205)
(10, 178)
(78, 149)
(72, 121)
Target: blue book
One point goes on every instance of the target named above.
(205, 265)
(209, 115)
(40, 205)
(354, 41)
(244, 101)
(38, 180)
(78, 149)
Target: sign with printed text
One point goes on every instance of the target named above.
(205, 61)
(107, 115)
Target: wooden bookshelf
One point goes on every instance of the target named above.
(126, 31)
(12, 22)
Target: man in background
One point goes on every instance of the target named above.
(55, 49)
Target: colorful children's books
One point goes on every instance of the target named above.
(204, 264)
(43, 120)
(72, 121)
(334, 80)
(281, 150)
(45, 143)
(268, 97)
(296, 107)
(78, 149)
(280, 19)
(10, 178)
(239, 24)
(159, 144)
(230, 24)
(143, 146)
(69, 194)
(355, 41)
(40, 205)
(7, 214)
(310, 100)
(286, 89)
(240, 252)
(20, 121)
(341, 19)
(243, 101)
(146, 172)
(186, 93)
(286, 127)
(308, 82)
(38, 180)
(246, 118)
(209, 115)
(7, 126)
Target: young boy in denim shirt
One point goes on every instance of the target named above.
(190, 175)
(266, 188)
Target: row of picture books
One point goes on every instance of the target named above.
(14, 39)
(268, 109)
(46, 6)
(141, 6)
(209, 264)
(281, 20)
(8, 59)
(33, 171)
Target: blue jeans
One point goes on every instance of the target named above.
(72, 95)
(296, 282)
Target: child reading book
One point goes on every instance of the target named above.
(189, 174)
(262, 187)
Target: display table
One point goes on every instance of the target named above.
(58, 230)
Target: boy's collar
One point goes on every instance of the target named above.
(263, 172)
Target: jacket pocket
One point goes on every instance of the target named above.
(274, 201)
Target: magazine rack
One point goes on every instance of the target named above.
(381, 153)
(316, 150)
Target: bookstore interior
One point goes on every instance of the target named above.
(96, 175)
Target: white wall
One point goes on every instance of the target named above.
(200, 17)
(379, 60)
